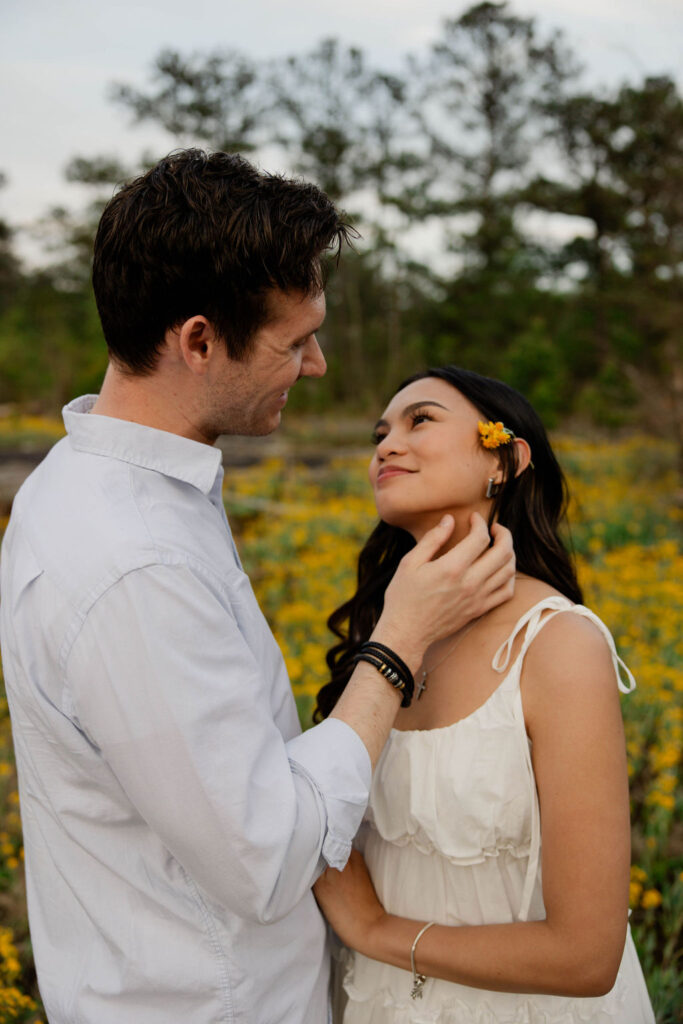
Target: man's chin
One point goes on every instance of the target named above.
(266, 427)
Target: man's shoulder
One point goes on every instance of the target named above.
(89, 520)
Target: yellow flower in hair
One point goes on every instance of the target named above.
(493, 435)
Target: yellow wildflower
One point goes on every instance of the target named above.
(493, 435)
(634, 891)
(651, 898)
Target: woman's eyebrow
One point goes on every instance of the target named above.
(411, 408)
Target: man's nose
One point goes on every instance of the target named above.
(314, 364)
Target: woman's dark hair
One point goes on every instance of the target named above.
(532, 506)
(206, 233)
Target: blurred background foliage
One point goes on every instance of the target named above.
(549, 220)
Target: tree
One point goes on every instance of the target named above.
(621, 158)
(479, 103)
(216, 100)
(10, 268)
(338, 119)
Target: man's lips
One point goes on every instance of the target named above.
(386, 471)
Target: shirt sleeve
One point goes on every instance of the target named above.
(165, 686)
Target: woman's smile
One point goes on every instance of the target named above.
(385, 472)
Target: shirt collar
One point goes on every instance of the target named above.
(175, 456)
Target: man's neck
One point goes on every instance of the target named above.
(150, 400)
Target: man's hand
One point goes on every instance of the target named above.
(433, 595)
(430, 596)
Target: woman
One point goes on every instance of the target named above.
(497, 834)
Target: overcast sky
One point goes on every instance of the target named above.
(57, 58)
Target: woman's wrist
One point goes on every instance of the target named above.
(375, 939)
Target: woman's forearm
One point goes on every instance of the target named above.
(528, 957)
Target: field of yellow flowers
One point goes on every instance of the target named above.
(299, 529)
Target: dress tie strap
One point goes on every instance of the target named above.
(532, 617)
(620, 669)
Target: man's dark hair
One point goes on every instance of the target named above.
(206, 233)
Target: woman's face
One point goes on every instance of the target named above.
(429, 459)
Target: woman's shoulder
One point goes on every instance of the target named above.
(569, 659)
(561, 622)
(529, 594)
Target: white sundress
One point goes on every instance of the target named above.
(452, 834)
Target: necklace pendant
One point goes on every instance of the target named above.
(422, 685)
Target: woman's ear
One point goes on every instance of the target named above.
(523, 453)
(523, 458)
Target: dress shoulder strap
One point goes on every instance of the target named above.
(534, 619)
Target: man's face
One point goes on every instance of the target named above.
(247, 396)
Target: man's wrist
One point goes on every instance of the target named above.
(409, 649)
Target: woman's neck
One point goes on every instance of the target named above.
(461, 529)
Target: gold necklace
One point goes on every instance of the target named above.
(422, 685)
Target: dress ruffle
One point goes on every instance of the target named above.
(424, 844)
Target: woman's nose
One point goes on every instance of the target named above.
(389, 445)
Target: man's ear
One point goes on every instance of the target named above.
(197, 343)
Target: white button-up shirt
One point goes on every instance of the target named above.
(174, 816)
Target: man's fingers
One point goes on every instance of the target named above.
(470, 548)
(497, 563)
(498, 587)
(433, 540)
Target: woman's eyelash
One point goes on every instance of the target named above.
(415, 415)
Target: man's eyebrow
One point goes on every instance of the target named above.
(313, 330)
(411, 408)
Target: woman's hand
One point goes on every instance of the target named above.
(349, 902)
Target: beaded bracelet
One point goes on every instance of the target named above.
(404, 671)
(389, 665)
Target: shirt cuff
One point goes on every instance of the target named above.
(336, 763)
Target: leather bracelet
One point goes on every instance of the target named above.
(404, 671)
(389, 665)
(387, 671)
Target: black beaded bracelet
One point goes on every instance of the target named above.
(389, 665)
(374, 646)
(389, 674)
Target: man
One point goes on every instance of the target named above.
(174, 817)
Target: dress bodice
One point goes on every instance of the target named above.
(476, 772)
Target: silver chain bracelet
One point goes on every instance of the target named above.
(418, 979)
